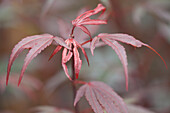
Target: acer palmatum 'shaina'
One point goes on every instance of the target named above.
(100, 96)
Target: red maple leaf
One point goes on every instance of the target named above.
(35, 44)
(111, 40)
(101, 97)
(67, 54)
(84, 19)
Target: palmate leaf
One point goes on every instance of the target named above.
(101, 98)
(84, 19)
(111, 40)
(85, 30)
(64, 30)
(35, 44)
(120, 51)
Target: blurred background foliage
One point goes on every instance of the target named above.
(45, 88)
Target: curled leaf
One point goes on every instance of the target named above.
(84, 19)
(65, 59)
(77, 62)
(66, 56)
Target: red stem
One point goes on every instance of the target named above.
(72, 31)
(73, 73)
(86, 42)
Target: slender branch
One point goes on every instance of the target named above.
(72, 31)
(73, 72)
(74, 79)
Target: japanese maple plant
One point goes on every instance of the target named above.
(100, 96)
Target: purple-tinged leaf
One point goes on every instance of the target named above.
(101, 98)
(111, 40)
(80, 94)
(35, 43)
(99, 8)
(84, 52)
(85, 30)
(97, 44)
(66, 71)
(61, 42)
(125, 38)
(120, 51)
(84, 19)
(93, 44)
(89, 13)
(65, 59)
(108, 98)
(82, 37)
(77, 62)
(59, 47)
(33, 53)
(93, 22)
(92, 99)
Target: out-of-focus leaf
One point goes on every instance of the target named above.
(64, 28)
(48, 4)
(106, 3)
(161, 3)
(156, 9)
(138, 13)
(137, 109)
(49, 109)
(29, 86)
(161, 13)
(51, 84)
(164, 30)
